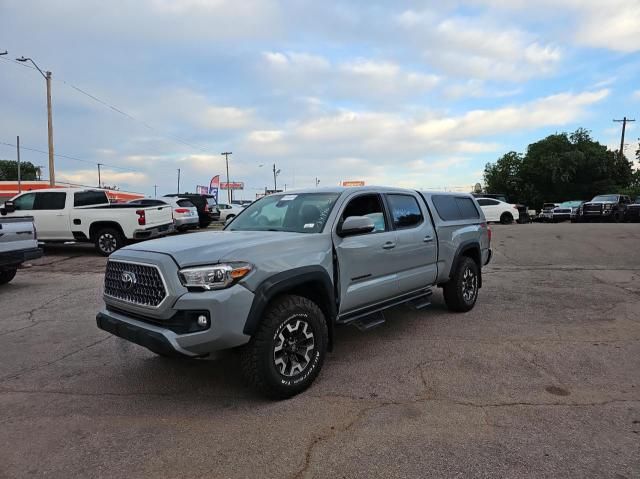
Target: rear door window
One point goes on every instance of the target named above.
(405, 211)
(50, 201)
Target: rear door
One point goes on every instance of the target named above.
(416, 253)
(367, 273)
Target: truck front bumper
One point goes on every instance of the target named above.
(226, 309)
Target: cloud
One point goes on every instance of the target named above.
(358, 78)
(478, 47)
(108, 176)
(636, 95)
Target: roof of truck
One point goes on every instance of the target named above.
(386, 189)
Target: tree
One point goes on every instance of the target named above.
(503, 176)
(9, 171)
(560, 167)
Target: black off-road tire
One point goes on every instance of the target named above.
(258, 357)
(108, 240)
(506, 218)
(456, 293)
(7, 275)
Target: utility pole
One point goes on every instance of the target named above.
(18, 152)
(155, 191)
(275, 175)
(317, 181)
(99, 176)
(226, 157)
(47, 77)
(178, 180)
(624, 122)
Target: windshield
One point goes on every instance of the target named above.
(571, 204)
(301, 213)
(549, 205)
(611, 198)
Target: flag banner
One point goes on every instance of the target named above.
(214, 186)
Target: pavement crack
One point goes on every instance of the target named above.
(49, 363)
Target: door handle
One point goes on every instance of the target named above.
(389, 245)
(428, 239)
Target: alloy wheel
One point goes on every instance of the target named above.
(294, 348)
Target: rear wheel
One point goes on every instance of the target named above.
(461, 292)
(506, 218)
(287, 351)
(7, 275)
(108, 240)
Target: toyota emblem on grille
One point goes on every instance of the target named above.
(128, 280)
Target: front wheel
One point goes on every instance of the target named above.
(108, 240)
(287, 351)
(7, 275)
(461, 292)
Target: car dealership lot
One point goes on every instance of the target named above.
(542, 378)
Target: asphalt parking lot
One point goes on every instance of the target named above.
(541, 379)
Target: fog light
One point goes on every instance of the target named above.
(203, 321)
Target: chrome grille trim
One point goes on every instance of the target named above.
(150, 291)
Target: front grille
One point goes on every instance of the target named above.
(134, 283)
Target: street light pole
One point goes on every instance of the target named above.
(99, 177)
(47, 77)
(275, 181)
(18, 154)
(226, 157)
(178, 180)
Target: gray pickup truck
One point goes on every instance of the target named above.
(18, 243)
(289, 269)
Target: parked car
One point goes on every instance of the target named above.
(291, 267)
(524, 216)
(496, 210)
(546, 214)
(205, 204)
(18, 243)
(228, 211)
(632, 212)
(85, 215)
(610, 207)
(185, 214)
(241, 203)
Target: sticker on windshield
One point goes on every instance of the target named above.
(309, 225)
(288, 197)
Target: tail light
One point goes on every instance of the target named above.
(181, 210)
(489, 233)
(142, 218)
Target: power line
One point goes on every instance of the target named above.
(119, 111)
(69, 157)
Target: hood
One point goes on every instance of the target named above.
(600, 203)
(215, 246)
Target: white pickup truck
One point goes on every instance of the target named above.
(83, 215)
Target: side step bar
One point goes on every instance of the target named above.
(372, 316)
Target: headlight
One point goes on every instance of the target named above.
(216, 276)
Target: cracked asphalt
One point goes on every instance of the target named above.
(541, 379)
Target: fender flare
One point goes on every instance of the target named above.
(285, 281)
(470, 245)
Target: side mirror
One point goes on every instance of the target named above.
(9, 207)
(356, 225)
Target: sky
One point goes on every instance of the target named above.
(404, 93)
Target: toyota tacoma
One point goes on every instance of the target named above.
(290, 268)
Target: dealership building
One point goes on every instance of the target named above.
(9, 189)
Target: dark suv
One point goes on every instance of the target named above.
(604, 208)
(632, 213)
(206, 204)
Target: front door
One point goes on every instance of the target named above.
(366, 270)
